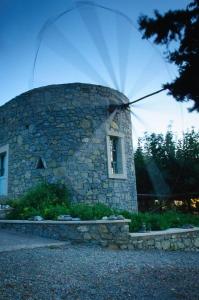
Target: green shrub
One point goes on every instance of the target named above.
(52, 200)
(126, 214)
(90, 212)
(52, 212)
(22, 213)
(161, 221)
(44, 199)
(136, 223)
(101, 210)
(83, 211)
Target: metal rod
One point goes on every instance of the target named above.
(112, 107)
(149, 95)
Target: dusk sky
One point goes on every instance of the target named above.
(91, 45)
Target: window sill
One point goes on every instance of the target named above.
(117, 176)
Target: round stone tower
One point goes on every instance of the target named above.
(67, 134)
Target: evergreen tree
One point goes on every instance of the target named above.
(179, 31)
(167, 166)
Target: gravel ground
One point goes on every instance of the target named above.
(90, 272)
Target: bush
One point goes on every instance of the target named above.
(45, 199)
(90, 212)
(52, 212)
(161, 221)
(82, 211)
(51, 200)
(136, 223)
(101, 210)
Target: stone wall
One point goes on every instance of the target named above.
(172, 239)
(105, 233)
(66, 126)
(111, 234)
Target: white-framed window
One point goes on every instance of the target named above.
(116, 155)
(4, 170)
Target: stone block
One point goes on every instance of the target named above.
(87, 236)
(103, 243)
(103, 228)
(59, 172)
(166, 244)
(113, 247)
(180, 245)
(125, 228)
(82, 229)
(158, 245)
(150, 242)
(106, 236)
(131, 247)
(123, 247)
(187, 242)
(196, 242)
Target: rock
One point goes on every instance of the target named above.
(82, 228)
(114, 229)
(87, 236)
(158, 245)
(76, 219)
(19, 140)
(131, 247)
(180, 245)
(123, 247)
(120, 217)
(85, 123)
(36, 218)
(125, 228)
(105, 218)
(196, 242)
(103, 243)
(143, 228)
(166, 245)
(64, 218)
(113, 247)
(187, 226)
(59, 171)
(85, 140)
(113, 217)
(103, 228)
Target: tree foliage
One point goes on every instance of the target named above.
(166, 165)
(182, 28)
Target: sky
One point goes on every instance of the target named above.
(93, 45)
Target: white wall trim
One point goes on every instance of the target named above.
(110, 174)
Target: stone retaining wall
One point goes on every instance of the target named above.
(107, 233)
(171, 239)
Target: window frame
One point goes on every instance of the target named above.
(112, 175)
